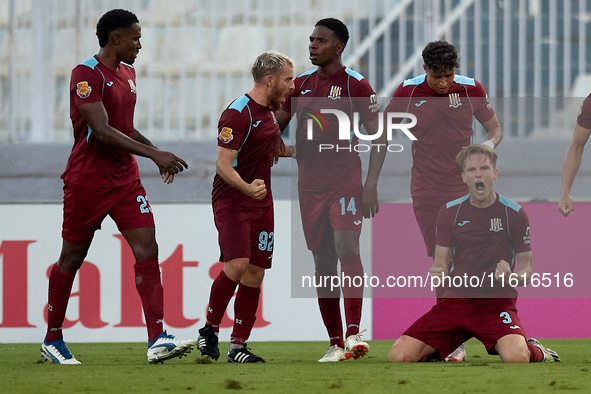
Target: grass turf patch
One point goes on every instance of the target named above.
(291, 367)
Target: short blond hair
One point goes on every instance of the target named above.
(475, 149)
(269, 63)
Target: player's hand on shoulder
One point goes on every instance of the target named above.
(566, 205)
(369, 201)
(257, 189)
(282, 150)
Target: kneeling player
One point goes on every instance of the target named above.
(482, 231)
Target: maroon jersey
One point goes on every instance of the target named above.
(92, 162)
(481, 237)
(584, 116)
(252, 130)
(347, 91)
(444, 127)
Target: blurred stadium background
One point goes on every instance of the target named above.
(531, 56)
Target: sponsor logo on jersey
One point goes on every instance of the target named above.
(335, 92)
(357, 222)
(488, 106)
(514, 327)
(526, 237)
(454, 100)
(420, 103)
(461, 224)
(83, 90)
(256, 124)
(305, 91)
(131, 85)
(496, 225)
(374, 106)
(226, 135)
(110, 83)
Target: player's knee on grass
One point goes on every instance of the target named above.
(408, 350)
(513, 349)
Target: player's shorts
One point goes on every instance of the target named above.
(323, 213)
(426, 211)
(246, 233)
(453, 321)
(85, 208)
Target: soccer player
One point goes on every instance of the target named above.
(333, 200)
(243, 203)
(488, 236)
(102, 178)
(444, 104)
(574, 155)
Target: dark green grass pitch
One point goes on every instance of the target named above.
(291, 367)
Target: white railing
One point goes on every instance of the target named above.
(197, 54)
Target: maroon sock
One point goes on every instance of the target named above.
(329, 303)
(60, 286)
(149, 287)
(245, 309)
(351, 268)
(535, 354)
(222, 290)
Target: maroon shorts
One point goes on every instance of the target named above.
(323, 213)
(453, 321)
(246, 233)
(85, 208)
(426, 211)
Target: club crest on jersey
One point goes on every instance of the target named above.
(83, 90)
(454, 100)
(131, 85)
(226, 135)
(496, 225)
(335, 92)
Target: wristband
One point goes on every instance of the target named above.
(489, 143)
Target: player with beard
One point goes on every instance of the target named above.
(332, 197)
(243, 203)
(488, 236)
(102, 178)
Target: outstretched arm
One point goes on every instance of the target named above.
(572, 162)
(98, 120)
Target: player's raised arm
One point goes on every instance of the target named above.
(572, 162)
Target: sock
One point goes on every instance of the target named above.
(149, 287)
(535, 354)
(236, 346)
(351, 267)
(222, 291)
(60, 286)
(329, 303)
(245, 309)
